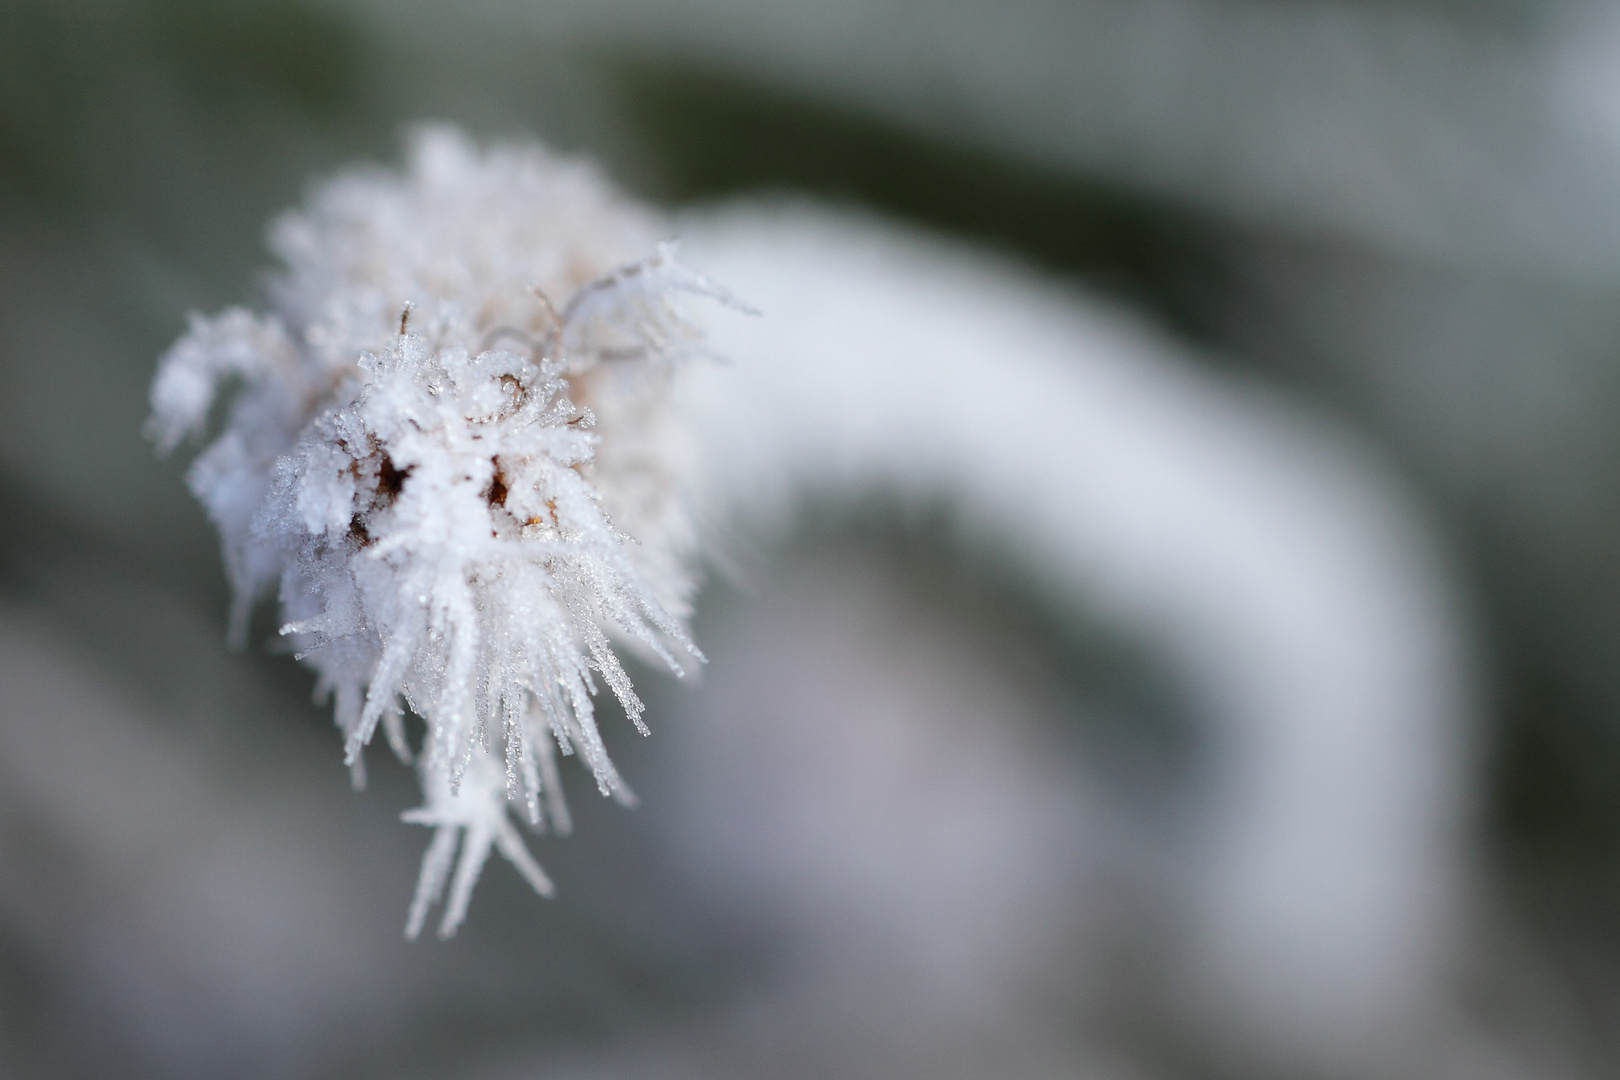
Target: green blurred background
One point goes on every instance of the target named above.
(1398, 212)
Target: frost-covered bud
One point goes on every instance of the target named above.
(460, 489)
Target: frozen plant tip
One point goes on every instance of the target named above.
(463, 491)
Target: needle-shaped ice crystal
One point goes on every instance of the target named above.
(459, 486)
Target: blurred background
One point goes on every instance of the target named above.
(1404, 216)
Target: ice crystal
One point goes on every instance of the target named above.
(461, 491)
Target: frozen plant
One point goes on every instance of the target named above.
(462, 491)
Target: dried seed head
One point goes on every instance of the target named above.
(410, 462)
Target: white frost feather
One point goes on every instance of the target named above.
(442, 473)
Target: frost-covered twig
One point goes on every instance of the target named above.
(1265, 556)
(461, 492)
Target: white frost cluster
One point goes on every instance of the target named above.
(460, 488)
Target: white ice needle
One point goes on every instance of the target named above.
(461, 488)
